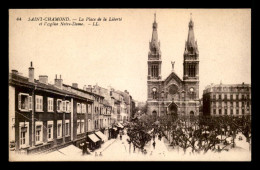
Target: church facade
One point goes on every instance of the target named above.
(173, 95)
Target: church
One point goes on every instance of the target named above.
(173, 95)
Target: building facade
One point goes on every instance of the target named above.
(227, 99)
(173, 95)
(44, 116)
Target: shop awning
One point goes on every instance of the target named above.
(101, 135)
(66, 151)
(71, 150)
(93, 137)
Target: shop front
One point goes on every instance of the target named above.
(94, 142)
(101, 136)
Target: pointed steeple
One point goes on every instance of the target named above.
(154, 44)
(191, 55)
(191, 44)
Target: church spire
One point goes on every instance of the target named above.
(155, 44)
(191, 44)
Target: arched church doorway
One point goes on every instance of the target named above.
(191, 113)
(173, 108)
(154, 113)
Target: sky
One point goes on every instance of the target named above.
(115, 53)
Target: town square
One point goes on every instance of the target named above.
(130, 85)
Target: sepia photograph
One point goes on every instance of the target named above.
(145, 84)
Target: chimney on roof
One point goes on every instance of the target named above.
(58, 82)
(75, 85)
(31, 73)
(85, 88)
(90, 88)
(14, 71)
(43, 79)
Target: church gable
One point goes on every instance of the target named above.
(173, 79)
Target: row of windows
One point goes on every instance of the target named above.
(24, 131)
(80, 126)
(100, 123)
(220, 111)
(232, 104)
(101, 110)
(233, 89)
(25, 104)
(192, 95)
(81, 108)
(39, 128)
(232, 96)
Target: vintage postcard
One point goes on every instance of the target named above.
(129, 85)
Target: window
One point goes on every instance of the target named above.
(59, 105)
(219, 111)
(78, 126)
(248, 96)
(38, 132)
(214, 111)
(154, 92)
(231, 111)
(38, 103)
(24, 102)
(50, 104)
(243, 111)
(225, 111)
(67, 123)
(225, 96)
(24, 134)
(82, 126)
(237, 97)
(237, 111)
(219, 96)
(225, 104)
(50, 130)
(214, 96)
(78, 108)
(242, 97)
(243, 104)
(83, 108)
(59, 128)
(67, 106)
(231, 96)
(237, 104)
(247, 103)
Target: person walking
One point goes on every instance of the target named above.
(96, 154)
(154, 144)
(100, 154)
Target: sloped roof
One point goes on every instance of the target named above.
(24, 81)
(106, 103)
(173, 75)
